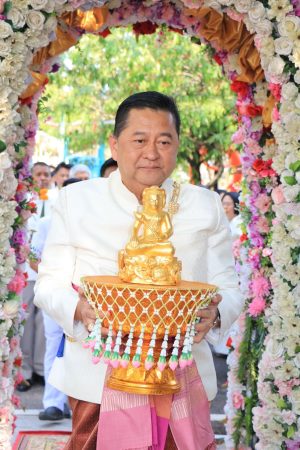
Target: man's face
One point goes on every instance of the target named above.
(82, 175)
(41, 176)
(61, 176)
(146, 149)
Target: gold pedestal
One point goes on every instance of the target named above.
(141, 381)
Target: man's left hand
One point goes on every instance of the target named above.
(207, 317)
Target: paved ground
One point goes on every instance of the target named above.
(27, 417)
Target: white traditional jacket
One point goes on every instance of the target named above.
(91, 222)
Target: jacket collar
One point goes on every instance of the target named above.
(125, 198)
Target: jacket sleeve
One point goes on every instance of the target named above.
(53, 289)
(221, 272)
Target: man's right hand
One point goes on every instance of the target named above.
(85, 313)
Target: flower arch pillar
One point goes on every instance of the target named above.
(258, 47)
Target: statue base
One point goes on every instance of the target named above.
(141, 381)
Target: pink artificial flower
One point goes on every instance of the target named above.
(14, 342)
(17, 283)
(260, 286)
(238, 400)
(239, 136)
(289, 417)
(278, 195)
(267, 252)
(263, 203)
(16, 401)
(233, 14)
(262, 225)
(256, 307)
(167, 13)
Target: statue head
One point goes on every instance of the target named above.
(154, 198)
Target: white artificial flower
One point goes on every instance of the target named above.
(289, 26)
(5, 48)
(297, 77)
(257, 12)
(49, 8)
(289, 92)
(295, 57)
(38, 4)
(22, 5)
(279, 9)
(243, 6)
(276, 66)
(35, 20)
(11, 308)
(267, 46)
(264, 27)
(291, 192)
(50, 24)
(17, 18)
(38, 41)
(5, 29)
(283, 45)
(5, 161)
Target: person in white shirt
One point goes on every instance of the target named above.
(33, 339)
(92, 222)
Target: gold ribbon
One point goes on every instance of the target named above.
(230, 35)
(64, 40)
(91, 21)
(39, 80)
(267, 111)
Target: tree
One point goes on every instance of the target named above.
(98, 73)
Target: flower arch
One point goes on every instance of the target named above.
(258, 45)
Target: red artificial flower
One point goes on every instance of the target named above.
(275, 90)
(144, 27)
(176, 30)
(243, 237)
(104, 33)
(263, 168)
(250, 110)
(240, 87)
(18, 362)
(217, 58)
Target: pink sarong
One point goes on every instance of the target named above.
(140, 422)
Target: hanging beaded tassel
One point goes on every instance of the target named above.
(108, 345)
(136, 362)
(115, 356)
(126, 355)
(192, 335)
(149, 363)
(173, 361)
(162, 360)
(183, 360)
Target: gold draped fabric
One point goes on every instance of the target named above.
(64, 40)
(267, 111)
(232, 36)
(219, 29)
(90, 21)
(39, 80)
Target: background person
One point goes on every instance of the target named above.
(80, 171)
(61, 174)
(109, 166)
(33, 339)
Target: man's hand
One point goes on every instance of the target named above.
(85, 313)
(207, 317)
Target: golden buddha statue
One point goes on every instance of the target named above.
(148, 258)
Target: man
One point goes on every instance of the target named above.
(60, 174)
(33, 339)
(84, 240)
(109, 166)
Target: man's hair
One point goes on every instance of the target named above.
(141, 100)
(61, 165)
(40, 163)
(70, 181)
(108, 163)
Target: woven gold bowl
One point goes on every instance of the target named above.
(143, 310)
